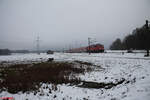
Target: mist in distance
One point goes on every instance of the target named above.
(68, 23)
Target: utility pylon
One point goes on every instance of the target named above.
(89, 43)
(38, 44)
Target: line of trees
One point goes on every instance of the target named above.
(5, 52)
(138, 40)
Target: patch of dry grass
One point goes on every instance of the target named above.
(29, 77)
(86, 63)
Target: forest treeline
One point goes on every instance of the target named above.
(5, 52)
(139, 39)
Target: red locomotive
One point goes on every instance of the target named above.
(96, 48)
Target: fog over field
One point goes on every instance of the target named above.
(74, 49)
(64, 23)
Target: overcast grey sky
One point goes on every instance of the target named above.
(61, 23)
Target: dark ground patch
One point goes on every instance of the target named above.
(29, 77)
(86, 63)
(97, 85)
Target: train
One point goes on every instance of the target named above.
(95, 48)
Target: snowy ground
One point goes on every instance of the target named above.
(134, 68)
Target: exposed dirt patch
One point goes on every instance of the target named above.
(29, 77)
(86, 63)
(86, 84)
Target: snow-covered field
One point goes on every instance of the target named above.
(133, 67)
